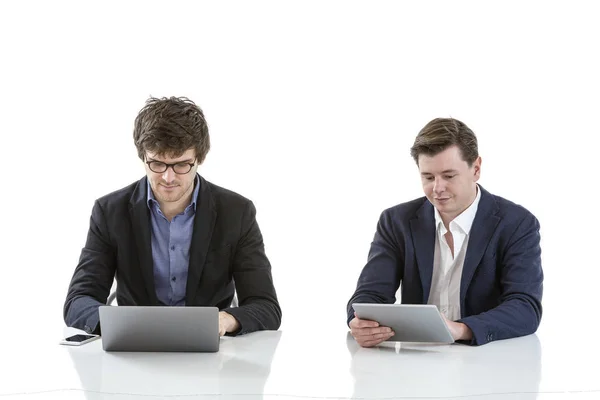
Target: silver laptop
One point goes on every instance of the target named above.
(133, 328)
(410, 322)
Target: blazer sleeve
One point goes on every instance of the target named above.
(258, 305)
(381, 276)
(93, 276)
(521, 279)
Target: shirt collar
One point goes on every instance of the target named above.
(464, 220)
(150, 199)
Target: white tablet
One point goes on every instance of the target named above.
(410, 322)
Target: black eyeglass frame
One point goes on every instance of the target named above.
(172, 166)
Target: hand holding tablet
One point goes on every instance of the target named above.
(409, 322)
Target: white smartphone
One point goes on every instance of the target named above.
(78, 340)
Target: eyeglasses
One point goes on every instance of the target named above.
(159, 167)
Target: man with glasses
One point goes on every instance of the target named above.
(173, 238)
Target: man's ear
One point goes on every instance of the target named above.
(477, 169)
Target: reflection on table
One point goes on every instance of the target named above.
(508, 367)
(298, 365)
(241, 366)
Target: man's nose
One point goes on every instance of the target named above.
(439, 185)
(169, 174)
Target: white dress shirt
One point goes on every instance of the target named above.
(447, 270)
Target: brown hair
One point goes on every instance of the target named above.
(171, 126)
(441, 133)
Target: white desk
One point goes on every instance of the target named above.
(284, 365)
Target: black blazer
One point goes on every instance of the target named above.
(502, 280)
(226, 247)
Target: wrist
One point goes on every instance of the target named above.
(232, 323)
(465, 332)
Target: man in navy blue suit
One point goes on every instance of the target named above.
(474, 255)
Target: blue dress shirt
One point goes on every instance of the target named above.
(171, 249)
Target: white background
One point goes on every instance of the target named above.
(312, 108)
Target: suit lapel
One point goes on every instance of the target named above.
(140, 220)
(204, 223)
(483, 228)
(422, 228)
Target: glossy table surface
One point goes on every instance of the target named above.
(295, 365)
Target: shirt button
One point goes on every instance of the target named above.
(173, 279)
(172, 247)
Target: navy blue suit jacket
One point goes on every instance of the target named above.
(501, 283)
